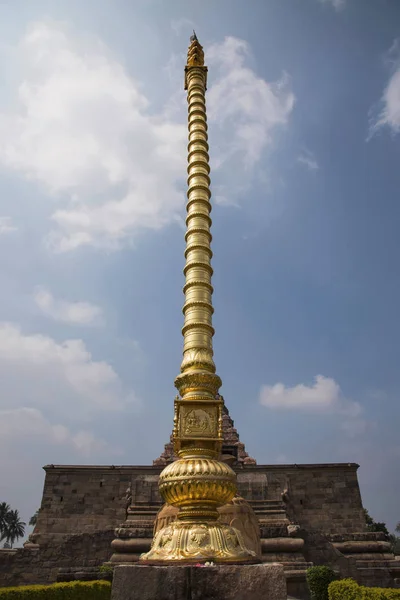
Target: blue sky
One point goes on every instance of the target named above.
(304, 115)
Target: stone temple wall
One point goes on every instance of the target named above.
(85, 499)
(319, 496)
(82, 505)
(24, 566)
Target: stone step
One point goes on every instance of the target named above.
(266, 501)
(148, 510)
(296, 574)
(273, 504)
(376, 563)
(367, 546)
(268, 513)
(137, 529)
(372, 564)
(376, 577)
(271, 514)
(272, 518)
(278, 508)
(370, 556)
(284, 558)
(81, 574)
(274, 508)
(273, 530)
(303, 566)
(365, 536)
(372, 571)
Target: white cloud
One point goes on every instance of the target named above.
(307, 159)
(82, 128)
(6, 226)
(35, 367)
(29, 424)
(390, 102)
(29, 440)
(80, 313)
(55, 399)
(323, 396)
(246, 106)
(337, 4)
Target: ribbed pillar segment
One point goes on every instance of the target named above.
(198, 380)
(198, 310)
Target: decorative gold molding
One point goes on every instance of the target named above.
(195, 55)
(199, 542)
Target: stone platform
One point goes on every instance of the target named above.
(220, 582)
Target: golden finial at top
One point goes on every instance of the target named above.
(195, 56)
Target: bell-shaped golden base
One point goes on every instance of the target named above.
(190, 542)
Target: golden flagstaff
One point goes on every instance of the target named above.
(198, 483)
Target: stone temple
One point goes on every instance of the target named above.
(307, 514)
(299, 514)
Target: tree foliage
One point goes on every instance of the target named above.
(4, 510)
(11, 526)
(348, 589)
(318, 580)
(33, 519)
(374, 525)
(395, 541)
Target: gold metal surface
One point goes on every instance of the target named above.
(237, 513)
(196, 542)
(198, 483)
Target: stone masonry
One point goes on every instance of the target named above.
(308, 514)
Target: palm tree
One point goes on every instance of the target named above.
(4, 512)
(15, 528)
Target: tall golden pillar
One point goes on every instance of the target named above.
(198, 483)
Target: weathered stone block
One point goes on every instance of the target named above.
(222, 582)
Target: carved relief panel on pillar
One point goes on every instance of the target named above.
(198, 420)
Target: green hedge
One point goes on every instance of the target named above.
(318, 580)
(348, 589)
(73, 590)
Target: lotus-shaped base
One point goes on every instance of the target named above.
(198, 542)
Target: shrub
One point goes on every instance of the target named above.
(107, 571)
(348, 589)
(73, 590)
(318, 580)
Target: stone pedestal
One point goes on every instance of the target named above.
(184, 582)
